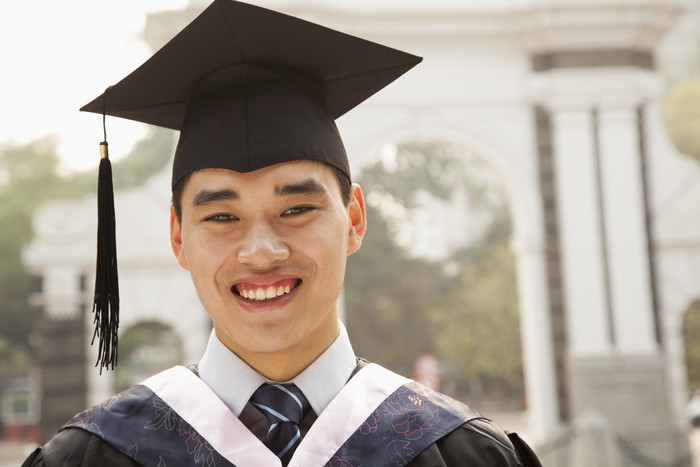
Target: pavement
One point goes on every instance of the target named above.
(13, 453)
(694, 438)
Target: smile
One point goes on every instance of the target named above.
(262, 292)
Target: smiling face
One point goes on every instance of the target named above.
(267, 251)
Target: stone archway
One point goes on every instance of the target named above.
(519, 179)
(146, 348)
(447, 212)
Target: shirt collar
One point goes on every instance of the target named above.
(235, 382)
(325, 377)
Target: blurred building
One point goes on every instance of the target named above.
(560, 97)
(153, 289)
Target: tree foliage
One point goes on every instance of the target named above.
(149, 156)
(390, 299)
(145, 349)
(28, 179)
(463, 308)
(479, 338)
(681, 111)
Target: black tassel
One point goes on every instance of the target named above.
(106, 304)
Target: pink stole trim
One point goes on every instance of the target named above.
(344, 415)
(195, 402)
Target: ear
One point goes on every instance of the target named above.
(358, 219)
(176, 240)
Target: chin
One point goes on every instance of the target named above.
(269, 341)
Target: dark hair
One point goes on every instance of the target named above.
(176, 200)
(344, 184)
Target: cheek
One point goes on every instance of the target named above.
(203, 254)
(328, 249)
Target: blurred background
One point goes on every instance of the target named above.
(533, 192)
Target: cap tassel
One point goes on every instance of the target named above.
(106, 303)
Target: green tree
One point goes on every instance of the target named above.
(390, 298)
(28, 179)
(145, 349)
(479, 337)
(463, 309)
(681, 111)
(149, 156)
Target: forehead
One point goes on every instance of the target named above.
(266, 179)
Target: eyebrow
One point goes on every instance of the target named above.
(309, 186)
(306, 187)
(205, 197)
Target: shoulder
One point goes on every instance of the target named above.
(80, 442)
(471, 438)
(478, 442)
(75, 447)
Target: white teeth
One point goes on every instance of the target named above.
(265, 294)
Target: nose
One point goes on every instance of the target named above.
(262, 247)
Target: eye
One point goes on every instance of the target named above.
(296, 210)
(221, 218)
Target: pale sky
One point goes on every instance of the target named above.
(56, 56)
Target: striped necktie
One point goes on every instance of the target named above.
(284, 406)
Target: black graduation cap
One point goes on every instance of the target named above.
(248, 87)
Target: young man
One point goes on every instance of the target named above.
(263, 217)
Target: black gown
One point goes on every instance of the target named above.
(478, 442)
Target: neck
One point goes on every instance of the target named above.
(286, 364)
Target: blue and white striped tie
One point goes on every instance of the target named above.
(285, 407)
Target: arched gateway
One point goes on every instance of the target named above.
(560, 98)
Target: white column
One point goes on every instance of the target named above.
(535, 331)
(61, 292)
(580, 231)
(626, 235)
(675, 365)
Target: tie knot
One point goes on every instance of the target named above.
(281, 402)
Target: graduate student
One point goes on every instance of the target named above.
(263, 217)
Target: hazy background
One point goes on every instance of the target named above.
(56, 57)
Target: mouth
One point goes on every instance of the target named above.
(265, 292)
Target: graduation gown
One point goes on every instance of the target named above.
(379, 418)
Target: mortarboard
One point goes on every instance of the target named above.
(248, 88)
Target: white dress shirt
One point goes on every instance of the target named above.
(235, 382)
